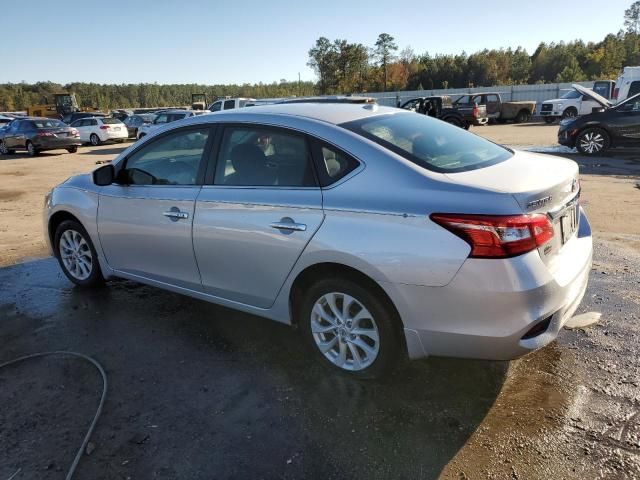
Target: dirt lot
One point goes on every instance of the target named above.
(200, 391)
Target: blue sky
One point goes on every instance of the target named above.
(211, 42)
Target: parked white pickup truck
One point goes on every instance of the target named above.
(573, 103)
(229, 103)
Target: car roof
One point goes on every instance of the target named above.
(335, 113)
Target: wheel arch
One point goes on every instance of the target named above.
(54, 221)
(596, 125)
(338, 270)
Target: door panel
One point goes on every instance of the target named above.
(138, 238)
(241, 256)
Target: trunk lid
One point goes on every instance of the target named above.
(540, 184)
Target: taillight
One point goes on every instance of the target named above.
(104, 127)
(474, 112)
(615, 93)
(498, 236)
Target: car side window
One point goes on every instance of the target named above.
(216, 106)
(24, 126)
(229, 104)
(162, 118)
(173, 159)
(254, 156)
(75, 124)
(332, 163)
(93, 123)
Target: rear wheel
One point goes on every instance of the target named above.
(523, 116)
(31, 149)
(592, 141)
(454, 121)
(549, 119)
(4, 150)
(94, 139)
(350, 328)
(72, 149)
(76, 255)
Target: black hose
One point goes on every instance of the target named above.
(82, 448)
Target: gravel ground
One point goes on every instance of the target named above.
(200, 391)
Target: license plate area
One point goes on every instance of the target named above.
(568, 223)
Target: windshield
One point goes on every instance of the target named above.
(572, 94)
(430, 143)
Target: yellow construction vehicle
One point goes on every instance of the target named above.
(63, 104)
(198, 101)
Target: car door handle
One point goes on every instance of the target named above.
(176, 214)
(291, 226)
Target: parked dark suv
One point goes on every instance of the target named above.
(606, 127)
(38, 134)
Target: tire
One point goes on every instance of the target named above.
(76, 254)
(142, 135)
(569, 113)
(358, 355)
(72, 149)
(549, 119)
(32, 150)
(4, 150)
(95, 140)
(592, 141)
(454, 121)
(467, 126)
(523, 116)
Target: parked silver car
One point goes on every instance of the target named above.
(381, 233)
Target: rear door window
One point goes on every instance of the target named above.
(256, 156)
(332, 164)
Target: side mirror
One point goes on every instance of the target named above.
(104, 175)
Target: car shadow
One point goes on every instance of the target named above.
(195, 388)
(115, 150)
(22, 155)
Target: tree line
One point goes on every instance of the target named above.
(17, 96)
(344, 67)
(352, 67)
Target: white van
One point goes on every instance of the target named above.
(628, 84)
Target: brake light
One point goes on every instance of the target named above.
(615, 93)
(498, 236)
(474, 112)
(104, 127)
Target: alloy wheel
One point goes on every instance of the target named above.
(31, 149)
(345, 331)
(3, 149)
(591, 142)
(75, 254)
(94, 140)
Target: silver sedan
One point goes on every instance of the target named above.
(380, 233)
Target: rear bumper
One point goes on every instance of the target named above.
(52, 144)
(489, 306)
(120, 135)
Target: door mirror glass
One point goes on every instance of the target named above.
(104, 175)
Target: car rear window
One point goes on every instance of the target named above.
(110, 121)
(430, 143)
(48, 124)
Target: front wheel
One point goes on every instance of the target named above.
(454, 121)
(94, 139)
(4, 150)
(569, 113)
(72, 149)
(350, 328)
(592, 141)
(76, 255)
